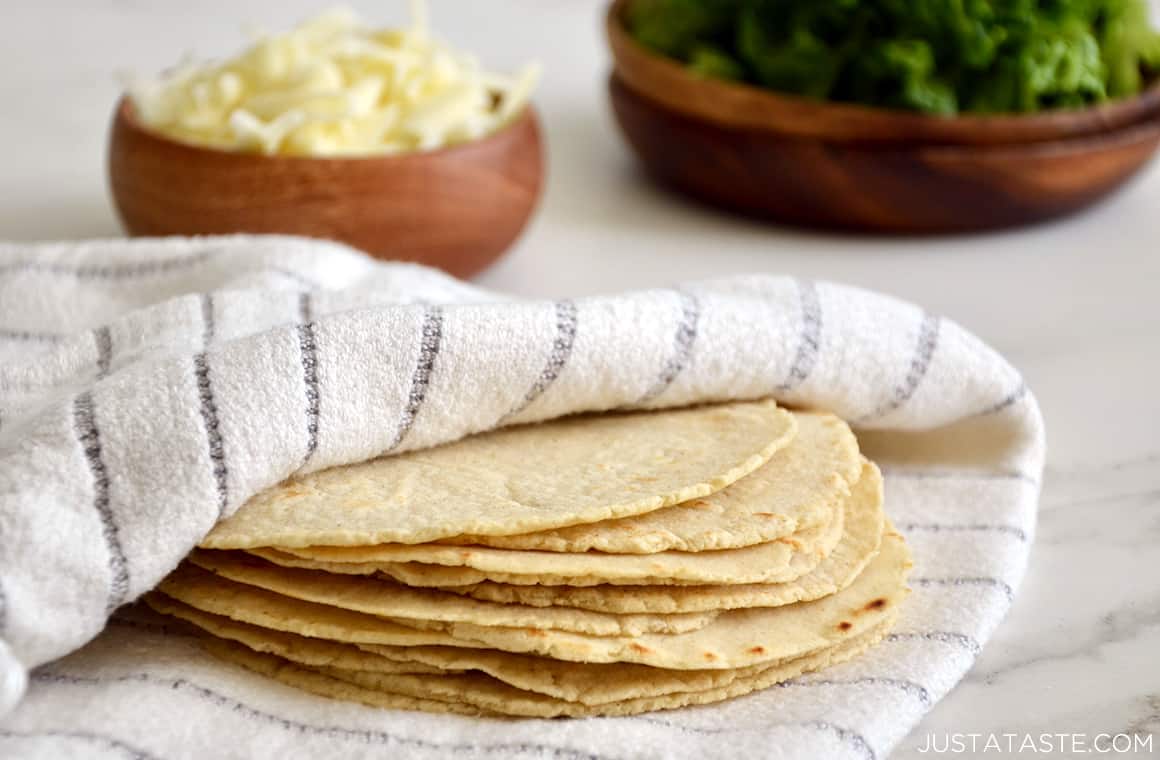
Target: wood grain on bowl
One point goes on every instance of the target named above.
(457, 208)
(904, 188)
(743, 106)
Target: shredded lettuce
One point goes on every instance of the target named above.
(933, 56)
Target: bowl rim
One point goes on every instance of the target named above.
(750, 107)
(124, 116)
(1126, 135)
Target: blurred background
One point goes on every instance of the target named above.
(601, 224)
(1072, 303)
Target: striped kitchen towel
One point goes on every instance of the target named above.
(149, 387)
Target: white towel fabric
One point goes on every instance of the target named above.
(148, 388)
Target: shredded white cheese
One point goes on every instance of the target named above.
(333, 87)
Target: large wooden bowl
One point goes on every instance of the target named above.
(857, 186)
(853, 167)
(743, 106)
(458, 208)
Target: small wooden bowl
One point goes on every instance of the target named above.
(853, 167)
(458, 208)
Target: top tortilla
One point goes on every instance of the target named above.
(796, 489)
(517, 480)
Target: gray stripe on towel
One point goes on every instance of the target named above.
(89, 437)
(683, 340)
(566, 320)
(308, 350)
(997, 583)
(928, 333)
(30, 336)
(103, 337)
(365, 736)
(153, 266)
(305, 307)
(213, 434)
(1008, 401)
(910, 687)
(847, 735)
(969, 643)
(209, 324)
(1018, 533)
(430, 340)
(108, 742)
(810, 342)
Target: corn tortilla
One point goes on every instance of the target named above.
(477, 694)
(521, 479)
(777, 561)
(375, 596)
(737, 638)
(796, 489)
(864, 523)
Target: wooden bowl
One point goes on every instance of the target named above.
(458, 208)
(857, 186)
(858, 168)
(742, 106)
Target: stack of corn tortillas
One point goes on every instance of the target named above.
(597, 565)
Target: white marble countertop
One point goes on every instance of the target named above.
(1073, 304)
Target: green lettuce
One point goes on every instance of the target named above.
(933, 56)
